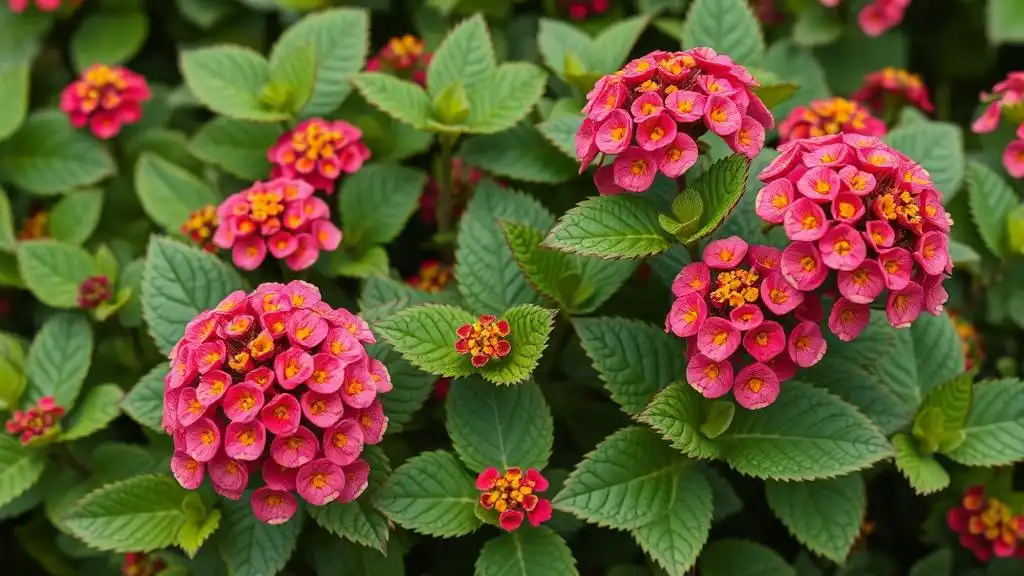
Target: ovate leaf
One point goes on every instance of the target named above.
(465, 55)
(294, 73)
(675, 538)
(559, 42)
(59, 359)
(994, 432)
(506, 97)
(742, 558)
(169, 193)
(237, 146)
(74, 218)
(938, 563)
(99, 408)
(953, 399)
(938, 147)
(720, 188)
(145, 401)
(94, 43)
(990, 199)
(53, 271)
(431, 494)
(544, 268)
(20, 468)
(426, 335)
(1004, 22)
(529, 327)
(192, 535)
(824, 515)
(612, 46)
(411, 389)
(377, 201)
(620, 226)
(228, 80)
(677, 413)
(249, 546)
(923, 471)
(527, 552)
(16, 80)
(8, 241)
(520, 153)
(399, 99)
(728, 26)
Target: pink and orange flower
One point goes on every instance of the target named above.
(19, 6)
(896, 85)
(279, 382)
(94, 291)
(404, 57)
(433, 276)
(279, 216)
(650, 114)
(878, 17)
(484, 340)
(580, 10)
(141, 564)
(987, 526)
(1006, 95)
(827, 117)
(318, 152)
(513, 494)
(105, 98)
(36, 421)
(200, 227)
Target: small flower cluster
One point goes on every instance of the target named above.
(970, 340)
(827, 117)
(276, 381)
(738, 296)
(432, 277)
(19, 6)
(36, 421)
(404, 57)
(141, 564)
(767, 11)
(201, 226)
(853, 205)
(514, 495)
(484, 340)
(94, 291)
(650, 114)
(893, 84)
(36, 226)
(280, 216)
(464, 181)
(986, 526)
(878, 17)
(106, 98)
(318, 151)
(580, 10)
(1008, 94)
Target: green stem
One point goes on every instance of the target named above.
(944, 100)
(445, 186)
(551, 8)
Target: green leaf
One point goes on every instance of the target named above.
(389, 139)
(365, 217)
(990, 199)
(96, 42)
(295, 73)
(8, 241)
(487, 275)
(938, 563)
(728, 26)
(520, 153)
(236, 146)
(675, 538)
(727, 503)
(924, 473)
(937, 351)
(677, 413)
(626, 482)
(816, 25)
(938, 147)
(355, 264)
(806, 434)
(527, 552)
(53, 271)
(1004, 22)
(798, 65)
(612, 46)
(359, 521)
(620, 226)
(824, 515)
(140, 514)
(99, 408)
(500, 426)
(12, 370)
(561, 132)
(59, 359)
(411, 389)
(249, 546)
(330, 556)
(145, 401)
(731, 557)
(228, 80)
(633, 358)
(774, 94)
(545, 269)
(529, 327)
(191, 535)
(20, 468)
(75, 217)
(994, 433)
(399, 99)
(48, 156)
(431, 494)
(505, 97)
(425, 336)
(15, 80)
(962, 254)
(179, 282)
(465, 55)
(558, 41)
(720, 188)
(953, 400)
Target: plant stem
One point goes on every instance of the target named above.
(445, 186)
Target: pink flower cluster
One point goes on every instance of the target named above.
(987, 526)
(582, 9)
(855, 207)
(279, 382)
(893, 83)
(105, 98)
(319, 151)
(1007, 94)
(879, 16)
(280, 216)
(738, 298)
(19, 6)
(36, 421)
(650, 114)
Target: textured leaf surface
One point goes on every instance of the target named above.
(798, 65)
(74, 218)
(53, 271)
(8, 241)
(330, 556)
(411, 389)
(938, 147)
(169, 193)
(236, 146)
(990, 199)
(742, 558)
(612, 46)
(48, 156)
(250, 547)
(359, 521)
(634, 359)
(620, 226)
(399, 99)
(144, 402)
(526, 552)
(529, 327)
(824, 515)
(431, 494)
(938, 563)
(728, 26)
(507, 96)
(425, 336)
(100, 407)
(179, 282)
(15, 79)
(542, 267)
(558, 40)
(377, 201)
(720, 188)
(93, 42)
(227, 79)
(677, 413)
(675, 538)
(626, 482)
(465, 54)
(561, 132)
(954, 400)
(520, 153)
(924, 472)
(805, 435)
(20, 468)
(995, 427)
(59, 359)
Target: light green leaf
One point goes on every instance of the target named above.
(1004, 22)
(816, 25)
(536, 552)
(824, 515)
(191, 535)
(626, 482)
(48, 156)
(431, 494)
(798, 65)
(465, 55)
(411, 389)
(806, 434)
(561, 132)
(294, 72)
(728, 26)
(731, 557)
(389, 139)
(179, 282)
(558, 40)
(500, 426)
(169, 193)
(720, 188)
(953, 400)
(399, 99)
(130, 315)
(205, 13)
(145, 401)
(15, 80)
(937, 351)
(620, 226)
(377, 201)
(776, 93)
(938, 147)
(354, 263)
(529, 327)
(505, 97)
(140, 514)
(53, 271)
(677, 413)
(59, 359)
(74, 218)
(12, 370)
(612, 46)
(425, 336)
(990, 199)
(602, 278)
(938, 563)
(520, 153)
(675, 538)
(359, 521)
(544, 268)
(8, 241)
(99, 408)
(237, 146)
(228, 80)
(994, 433)
(20, 468)
(962, 254)
(250, 547)
(338, 55)
(96, 42)
(924, 473)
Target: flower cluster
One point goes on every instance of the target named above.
(1006, 95)
(403, 56)
(893, 84)
(19, 6)
(94, 291)
(200, 227)
(141, 564)
(878, 17)
(280, 216)
(737, 297)
(318, 151)
(276, 381)
(986, 526)
(432, 277)
(970, 340)
(464, 181)
(650, 114)
(36, 226)
(579, 10)
(514, 495)
(484, 340)
(106, 98)
(767, 11)
(852, 205)
(829, 116)
(36, 421)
